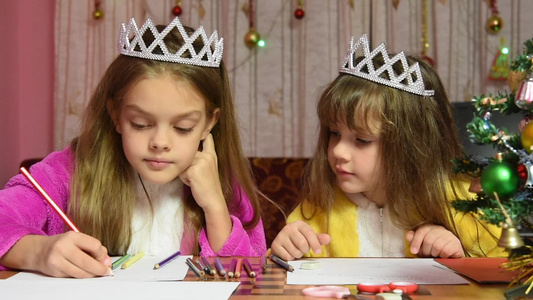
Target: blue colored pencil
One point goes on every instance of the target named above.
(167, 260)
(220, 267)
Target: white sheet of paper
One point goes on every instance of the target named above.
(142, 270)
(90, 289)
(335, 271)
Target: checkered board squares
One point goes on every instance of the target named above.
(270, 282)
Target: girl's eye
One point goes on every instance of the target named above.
(334, 133)
(363, 141)
(138, 126)
(184, 130)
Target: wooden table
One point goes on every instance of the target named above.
(271, 285)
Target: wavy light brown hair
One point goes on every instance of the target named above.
(103, 184)
(418, 141)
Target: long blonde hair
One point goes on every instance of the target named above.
(418, 139)
(103, 187)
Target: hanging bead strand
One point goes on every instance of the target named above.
(252, 37)
(98, 13)
(495, 22)
(299, 12)
(425, 40)
(176, 10)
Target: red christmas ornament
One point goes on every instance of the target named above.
(522, 171)
(176, 10)
(299, 13)
(429, 60)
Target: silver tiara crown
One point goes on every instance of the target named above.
(131, 43)
(413, 85)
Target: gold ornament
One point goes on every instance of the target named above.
(527, 137)
(98, 14)
(515, 78)
(494, 24)
(510, 238)
(251, 38)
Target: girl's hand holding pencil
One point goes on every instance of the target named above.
(70, 254)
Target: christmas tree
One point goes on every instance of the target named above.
(506, 194)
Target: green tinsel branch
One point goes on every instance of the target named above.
(519, 208)
(467, 165)
(522, 62)
(502, 102)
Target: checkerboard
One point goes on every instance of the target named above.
(271, 281)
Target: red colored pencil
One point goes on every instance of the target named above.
(48, 199)
(238, 268)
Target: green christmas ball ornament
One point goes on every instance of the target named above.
(501, 178)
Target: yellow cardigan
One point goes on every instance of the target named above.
(345, 239)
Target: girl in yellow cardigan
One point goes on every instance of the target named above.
(380, 182)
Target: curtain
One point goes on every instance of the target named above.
(277, 86)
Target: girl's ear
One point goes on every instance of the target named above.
(211, 123)
(114, 114)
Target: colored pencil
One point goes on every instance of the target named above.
(117, 263)
(167, 260)
(52, 203)
(264, 263)
(248, 268)
(280, 262)
(220, 267)
(132, 260)
(46, 197)
(231, 269)
(194, 268)
(238, 268)
(211, 270)
(202, 266)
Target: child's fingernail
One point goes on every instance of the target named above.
(107, 262)
(318, 251)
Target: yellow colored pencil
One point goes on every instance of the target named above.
(132, 260)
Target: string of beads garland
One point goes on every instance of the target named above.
(425, 40)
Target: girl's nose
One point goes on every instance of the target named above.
(340, 151)
(160, 140)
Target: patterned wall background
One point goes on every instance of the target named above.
(276, 87)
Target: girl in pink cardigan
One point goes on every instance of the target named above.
(157, 167)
